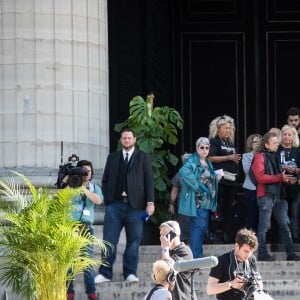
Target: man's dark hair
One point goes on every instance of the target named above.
(293, 111)
(127, 129)
(246, 237)
(83, 163)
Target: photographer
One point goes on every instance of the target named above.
(236, 276)
(83, 203)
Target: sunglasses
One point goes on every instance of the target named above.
(204, 147)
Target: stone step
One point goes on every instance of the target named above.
(279, 289)
(280, 277)
(275, 270)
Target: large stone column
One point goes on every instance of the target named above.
(53, 84)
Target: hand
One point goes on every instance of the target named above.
(238, 282)
(171, 210)
(236, 157)
(288, 178)
(290, 169)
(165, 241)
(150, 208)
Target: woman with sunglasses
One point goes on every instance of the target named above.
(198, 194)
(223, 155)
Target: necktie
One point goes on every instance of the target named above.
(126, 159)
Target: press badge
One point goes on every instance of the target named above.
(86, 212)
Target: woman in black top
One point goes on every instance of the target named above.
(223, 155)
(289, 154)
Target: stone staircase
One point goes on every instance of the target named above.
(281, 278)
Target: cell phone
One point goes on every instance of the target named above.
(172, 235)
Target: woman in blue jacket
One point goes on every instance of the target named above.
(198, 194)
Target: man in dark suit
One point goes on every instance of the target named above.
(128, 190)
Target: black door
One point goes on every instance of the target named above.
(206, 58)
(239, 58)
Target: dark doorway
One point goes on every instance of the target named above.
(206, 58)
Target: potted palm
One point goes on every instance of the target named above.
(39, 241)
(156, 129)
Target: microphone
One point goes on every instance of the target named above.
(197, 263)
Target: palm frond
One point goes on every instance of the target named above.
(40, 242)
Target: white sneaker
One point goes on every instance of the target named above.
(131, 278)
(100, 279)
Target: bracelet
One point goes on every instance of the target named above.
(164, 250)
(150, 203)
(230, 284)
(172, 202)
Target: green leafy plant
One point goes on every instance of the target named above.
(156, 129)
(39, 241)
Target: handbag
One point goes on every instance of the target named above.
(230, 176)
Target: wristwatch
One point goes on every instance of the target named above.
(230, 284)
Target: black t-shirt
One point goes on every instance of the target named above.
(219, 147)
(227, 269)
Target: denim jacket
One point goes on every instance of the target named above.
(190, 173)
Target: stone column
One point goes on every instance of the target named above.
(53, 85)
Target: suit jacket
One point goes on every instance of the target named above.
(140, 185)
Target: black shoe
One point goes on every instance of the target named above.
(266, 257)
(293, 256)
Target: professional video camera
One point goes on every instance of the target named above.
(75, 176)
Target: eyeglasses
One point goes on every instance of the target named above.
(203, 147)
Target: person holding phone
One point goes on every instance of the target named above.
(173, 249)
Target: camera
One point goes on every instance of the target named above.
(251, 285)
(75, 179)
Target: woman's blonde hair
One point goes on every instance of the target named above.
(250, 139)
(161, 271)
(216, 123)
(295, 133)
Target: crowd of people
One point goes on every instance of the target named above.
(206, 185)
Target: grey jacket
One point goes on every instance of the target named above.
(246, 162)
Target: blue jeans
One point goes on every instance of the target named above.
(119, 215)
(88, 275)
(273, 204)
(198, 230)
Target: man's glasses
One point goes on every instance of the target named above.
(204, 147)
